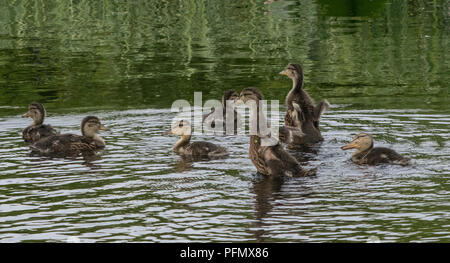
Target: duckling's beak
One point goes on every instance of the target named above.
(349, 146)
(284, 73)
(103, 128)
(168, 132)
(26, 115)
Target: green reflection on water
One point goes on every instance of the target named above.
(84, 55)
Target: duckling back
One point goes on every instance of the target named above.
(34, 133)
(66, 145)
(380, 155)
(205, 150)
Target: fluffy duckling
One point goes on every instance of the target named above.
(227, 95)
(271, 160)
(72, 145)
(37, 130)
(367, 154)
(287, 134)
(301, 111)
(195, 149)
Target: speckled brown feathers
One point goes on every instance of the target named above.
(66, 145)
(34, 133)
(367, 154)
(71, 145)
(37, 130)
(274, 160)
(301, 111)
(271, 160)
(379, 155)
(194, 150)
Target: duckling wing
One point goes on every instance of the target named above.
(291, 135)
(34, 133)
(293, 118)
(64, 145)
(279, 162)
(206, 149)
(385, 155)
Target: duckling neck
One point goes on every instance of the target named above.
(98, 140)
(182, 142)
(361, 153)
(38, 121)
(297, 84)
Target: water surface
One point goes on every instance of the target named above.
(383, 65)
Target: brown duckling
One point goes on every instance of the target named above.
(227, 95)
(195, 149)
(301, 111)
(367, 154)
(37, 130)
(287, 134)
(72, 145)
(271, 160)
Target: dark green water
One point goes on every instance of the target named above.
(383, 65)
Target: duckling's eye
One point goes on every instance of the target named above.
(180, 125)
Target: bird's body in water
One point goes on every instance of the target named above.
(37, 130)
(195, 150)
(272, 160)
(72, 145)
(367, 154)
(301, 111)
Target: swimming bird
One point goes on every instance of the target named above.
(301, 111)
(196, 150)
(72, 145)
(272, 160)
(228, 95)
(37, 130)
(367, 154)
(287, 134)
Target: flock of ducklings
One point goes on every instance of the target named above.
(301, 127)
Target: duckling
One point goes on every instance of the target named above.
(287, 134)
(195, 149)
(227, 95)
(72, 145)
(271, 160)
(367, 154)
(37, 130)
(301, 111)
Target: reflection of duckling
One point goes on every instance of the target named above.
(367, 154)
(71, 145)
(194, 149)
(271, 160)
(227, 95)
(301, 111)
(37, 130)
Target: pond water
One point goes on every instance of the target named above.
(383, 66)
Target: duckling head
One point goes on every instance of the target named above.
(248, 94)
(229, 95)
(36, 111)
(361, 142)
(293, 71)
(181, 128)
(91, 125)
